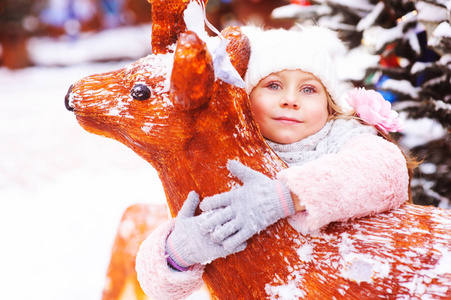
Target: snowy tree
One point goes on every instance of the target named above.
(412, 40)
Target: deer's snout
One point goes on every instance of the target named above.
(67, 98)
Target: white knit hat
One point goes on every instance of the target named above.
(310, 49)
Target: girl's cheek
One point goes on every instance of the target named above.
(318, 112)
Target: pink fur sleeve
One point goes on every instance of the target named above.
(155, 277)
(368, 175)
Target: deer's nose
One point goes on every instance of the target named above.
(67, 98)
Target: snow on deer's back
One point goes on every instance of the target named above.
(177, 110)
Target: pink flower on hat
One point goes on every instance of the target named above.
(374, 109)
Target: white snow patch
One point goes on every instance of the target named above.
(355, 63)
(444, 264)
(402, 86)
(443, 30)
(445, 59)
(147, 127)
(126, 229)
(428, 168)
(430, 12)
(335, 22)
(360, 267)
(376, 37)
(305, 252)
(419, 66)
(288, 291)
(420, 131)
(358, 5)
(359, 271)
(111, 44)
(415, 286)
(436, 81)
(295, 11)
(439, 104)
(370, 18)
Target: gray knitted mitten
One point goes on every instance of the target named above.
(237, 215)
(187, 244)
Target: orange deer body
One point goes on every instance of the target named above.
(137, 222)
(191, 125)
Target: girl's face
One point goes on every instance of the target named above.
(289, 106)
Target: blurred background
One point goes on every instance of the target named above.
(63, 191)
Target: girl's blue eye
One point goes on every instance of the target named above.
(273, 86)
(308, 89)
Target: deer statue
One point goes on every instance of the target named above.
(175, 109)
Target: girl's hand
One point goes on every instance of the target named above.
(235, 216)
(188, 244)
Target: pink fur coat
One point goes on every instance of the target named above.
(368, 175)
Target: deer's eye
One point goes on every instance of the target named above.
(140, 92)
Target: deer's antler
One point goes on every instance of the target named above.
(167, 22)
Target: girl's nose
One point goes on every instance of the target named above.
(290, 100)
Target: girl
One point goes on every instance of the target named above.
(341, 165)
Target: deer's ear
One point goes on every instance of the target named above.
(193, 74)
(239, 48)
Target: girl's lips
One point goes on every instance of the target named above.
(287, 120)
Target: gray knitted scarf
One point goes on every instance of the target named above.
(327, 140)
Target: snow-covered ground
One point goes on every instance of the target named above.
(62, 190)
